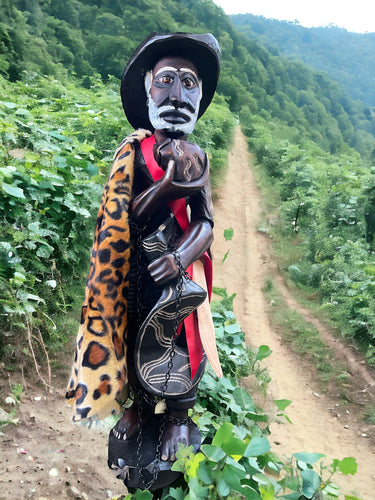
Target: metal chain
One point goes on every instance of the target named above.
(180, 421)
(140, 427)
(172, 352)
(139, 274)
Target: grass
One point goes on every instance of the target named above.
(303, 337)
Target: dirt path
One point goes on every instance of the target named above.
(318, 424)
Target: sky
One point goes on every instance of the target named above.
(353, 15)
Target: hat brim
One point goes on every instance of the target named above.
(201, 49)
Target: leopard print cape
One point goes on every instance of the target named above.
(98, 383)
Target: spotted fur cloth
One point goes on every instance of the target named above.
(98, 380)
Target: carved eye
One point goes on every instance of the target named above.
(189, 82)
(165, 79)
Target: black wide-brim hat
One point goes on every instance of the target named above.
(201, 49)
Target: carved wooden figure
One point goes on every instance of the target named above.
(145, 315)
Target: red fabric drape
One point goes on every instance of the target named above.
(178, 207)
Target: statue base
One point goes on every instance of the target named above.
(123, 457)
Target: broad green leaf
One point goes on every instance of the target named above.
(243, 399)
(223, 434)
(290, 482)
(233, 328)
(310, 482)
(267, 492)
(250, 494)
(19, 277)
(231, 478)
(308, 458)
(263, 352)
(213, 453)
(13, 190)
(234, 447)
(9, 105)
(197, 490)
(176, 493)
(61, 161)
(253, 466)
(193, 464)
(44, 251)
(32, 296)
(56, 135)
(331, 490)
(222, 488)
(262, 479)
(229, 315)
(92, 169)
(23, 112)
(257, 417)
(204, 473)
(257, 446)
(236, 466)
(51, 283)
(346, 466)
(7, 172)
(282, 403)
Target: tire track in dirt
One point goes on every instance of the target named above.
(316, 427)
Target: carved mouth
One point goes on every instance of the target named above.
(175, 116)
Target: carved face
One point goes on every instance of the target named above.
(174, 92)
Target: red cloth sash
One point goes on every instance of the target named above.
(178, 207)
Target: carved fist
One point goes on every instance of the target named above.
(189, 159)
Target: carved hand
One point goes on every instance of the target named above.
(186, 167)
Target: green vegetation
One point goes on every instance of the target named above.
(322, 235)
(57, 141)
(321, 49)
(235, 460)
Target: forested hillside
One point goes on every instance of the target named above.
(82, 38)
(348, 58)
(61, 119)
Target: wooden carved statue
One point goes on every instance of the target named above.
(145, 331)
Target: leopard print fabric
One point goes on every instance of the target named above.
(98, 382)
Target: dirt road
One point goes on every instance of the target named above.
(47, 457)
(316, 424)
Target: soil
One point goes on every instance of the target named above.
(46, 456)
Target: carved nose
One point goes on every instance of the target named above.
(176, 95)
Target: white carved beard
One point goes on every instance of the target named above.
(159, 123)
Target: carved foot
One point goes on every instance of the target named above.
(128, 423)
(177, 431)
